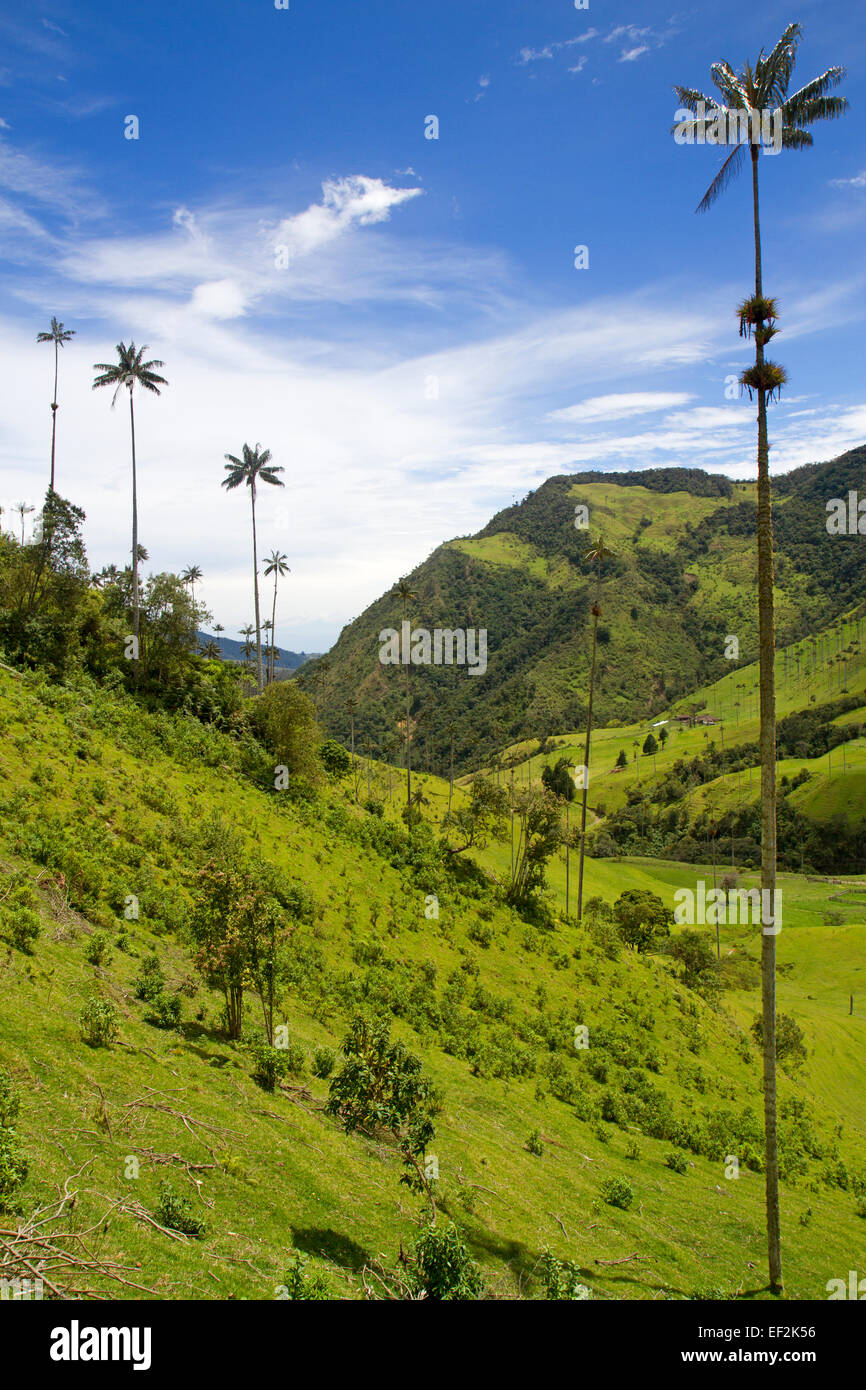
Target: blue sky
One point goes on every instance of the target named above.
(399, 319)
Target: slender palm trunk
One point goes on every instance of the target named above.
(256, 591)
(595, 615)
(54, 413)
(408, 754)
(273, 660)
(135, 619)
(766, 642)
(566, 859)
(451, 773)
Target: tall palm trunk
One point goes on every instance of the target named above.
(54, 411)
(273, 659)
(135, 620)
(767, 643)
(595, 616)
(256, 591)
(408, 753)
(451, 772)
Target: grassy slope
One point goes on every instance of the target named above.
(286, 1175)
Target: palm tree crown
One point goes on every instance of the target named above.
(764, 88)
(252, 467)
(128, 371)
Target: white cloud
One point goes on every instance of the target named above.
(629, 55)
(619, 406)
(858, 181)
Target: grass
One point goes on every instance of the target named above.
(277, 1173)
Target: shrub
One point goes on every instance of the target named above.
(633, 1152)
(151, 981)
(676, 1161)
(270, 1063)
(24, 926)
(13, 1164)
(18, 915)
(334, 758)
(443, 1268)
(535, 1143)
(560, 1279)
(97, 949)
(790, 1040)
(98, 1022)
(175, 1212)
(301, 1284)
(324, 1061)
(617, 1192)
(165, 1010)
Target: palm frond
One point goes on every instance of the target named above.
(728, 171)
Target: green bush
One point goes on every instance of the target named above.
(676, 1161)
(303, 1283)
(98, 1022)
(324, 1061)
(18, 915)
(175, 1211)
(151, 982)
(617, 1192)
(13, 1164)
(97, 949)
(24, 926)
(535, 1143)
(443, 1268)
(165, 1011)
(560, 1279)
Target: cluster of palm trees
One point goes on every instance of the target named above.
(254, 467)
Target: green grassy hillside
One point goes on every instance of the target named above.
(680, 583)
(101, 803)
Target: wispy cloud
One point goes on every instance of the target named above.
(858, 181)
(617, 407)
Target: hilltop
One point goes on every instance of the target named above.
(682, 579)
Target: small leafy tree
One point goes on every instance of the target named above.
(481, 818)
(641, 918)
(334, 758)
(790, 1039)
(539, 836)
(381, 1086)
(558, 779)
(622, 760)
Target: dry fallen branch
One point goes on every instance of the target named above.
(66, 1261)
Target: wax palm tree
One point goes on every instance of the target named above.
(131, 370)
(596, 555)
(275, 564)
(351, 706)
(751, 92)
(191, 576)
(218, 628)
(406, 596)
(248, 648)
(58, 335)
(210, 651)
(23, 510)
(253, 467)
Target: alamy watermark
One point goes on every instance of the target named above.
(448, 646)
(729, 908)
(714, 126)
